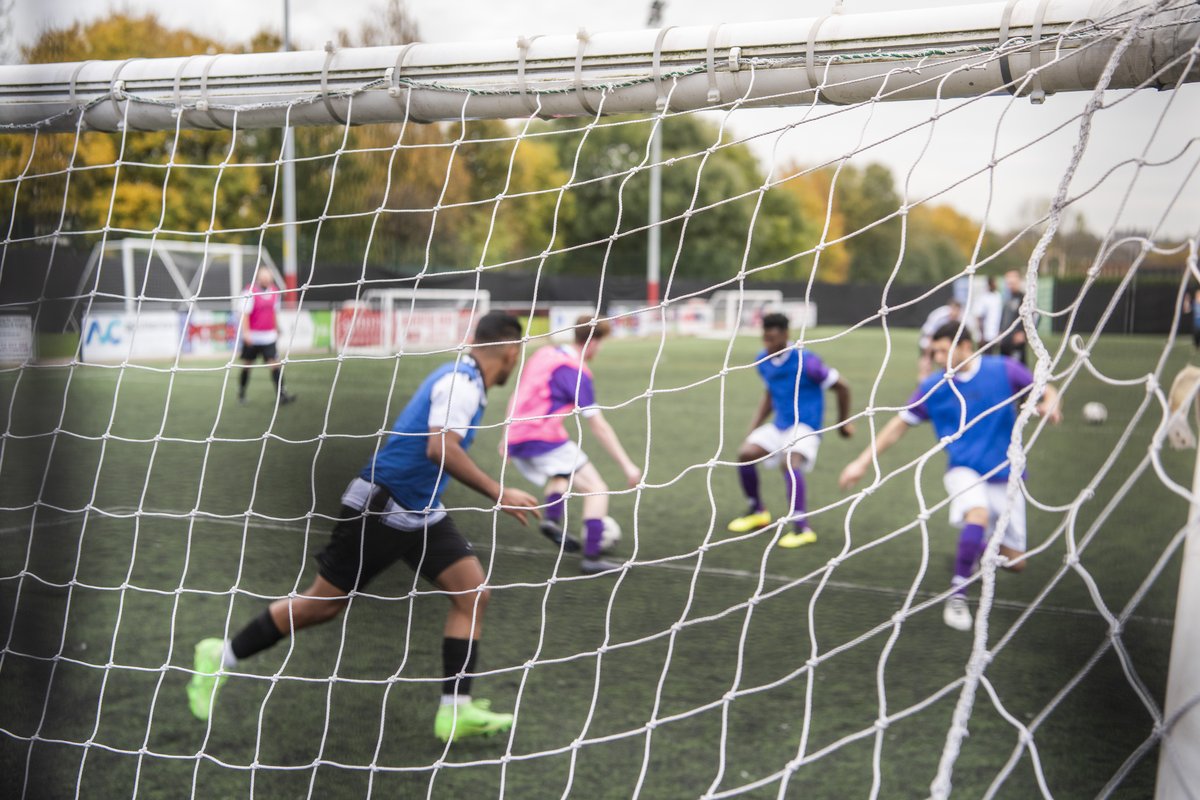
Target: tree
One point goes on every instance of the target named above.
(866, 197)
(709, 198)
(139, 181)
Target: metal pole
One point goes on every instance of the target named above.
(289, 185)
(654, 240)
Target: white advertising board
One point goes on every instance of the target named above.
(116, 337)
(16, 339)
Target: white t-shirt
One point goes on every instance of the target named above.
(988, 308)
(453, 401)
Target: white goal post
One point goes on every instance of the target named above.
(1033, 47)
(391, 321)
(743, 311)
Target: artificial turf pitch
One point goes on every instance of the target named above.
(162, 512)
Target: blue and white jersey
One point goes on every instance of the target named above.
(994, 380)
(452, 398)
(796, 380)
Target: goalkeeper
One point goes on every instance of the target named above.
(393, 511)
(976, 408)
(553, 385)
(796, 381)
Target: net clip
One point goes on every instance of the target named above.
(330, 52)
(583, 36)
(1037, 95)
(523, 45)
(714, 93)
(660, 101)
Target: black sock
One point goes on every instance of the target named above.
(277, 377)
(243, 379)
(259, 634)
(458, 656)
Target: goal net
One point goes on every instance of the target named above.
(1049, 147)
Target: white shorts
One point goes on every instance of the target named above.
(562, 460)
(967, 490)
(797, 439)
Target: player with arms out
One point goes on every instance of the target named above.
(977, 465)
(796, 381)
(393, 511)
(260, 333)
(554, 384)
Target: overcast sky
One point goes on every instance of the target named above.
(962, 141)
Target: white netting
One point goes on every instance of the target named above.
(143, 508)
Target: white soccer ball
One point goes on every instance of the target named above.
(1094, 413)
(611, 536)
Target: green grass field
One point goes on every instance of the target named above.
(162, 512)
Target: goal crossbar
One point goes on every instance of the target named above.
(1022, 46)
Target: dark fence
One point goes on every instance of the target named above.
(1145, 306)
(48, 279)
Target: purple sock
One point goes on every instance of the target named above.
(970, 547)
(796, 491)
(749, 475)
(554, 507)
(593, 535)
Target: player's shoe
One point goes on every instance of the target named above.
(957, 614)
(241, 398)
(596, 566)
(798, 538)
(475, 718)
(554, 532)
(751, 522)
(202, 690)
(285, 398)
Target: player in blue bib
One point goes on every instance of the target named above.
(796, 380)
(977, 467)
(393, 511)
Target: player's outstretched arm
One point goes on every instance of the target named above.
(891, 433)
(445, 448)
(1050, 407)
(841, 390)
(611, 443)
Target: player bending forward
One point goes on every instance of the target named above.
(554, 383)
(393, 511)
(796, 380)
(990, 386)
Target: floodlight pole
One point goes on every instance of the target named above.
(289, 184)
(1178, 766)
(654, 238)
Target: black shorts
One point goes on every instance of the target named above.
(361, 547)
(251, 352)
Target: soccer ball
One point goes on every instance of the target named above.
(611, 536)
(1094, 413)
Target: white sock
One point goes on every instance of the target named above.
(958, 583)
(455, 699)
(228, 659)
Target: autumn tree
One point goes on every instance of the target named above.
(136, 182)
